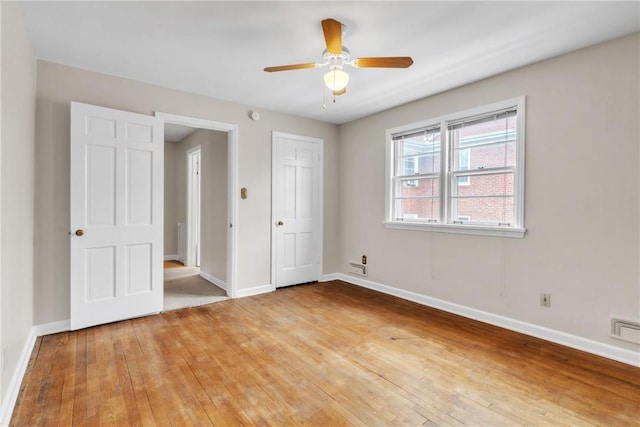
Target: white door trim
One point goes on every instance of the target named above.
(232, 185)
(275, 135)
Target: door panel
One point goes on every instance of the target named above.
(138, 273)
(297, 209)
(100, 264)
(101, 183)
(139, 187)
(116, 206)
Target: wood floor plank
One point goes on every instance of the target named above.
(328, 354)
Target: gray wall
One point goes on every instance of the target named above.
(58, 85)
(170, 199)
(581, 200)
(17, 188)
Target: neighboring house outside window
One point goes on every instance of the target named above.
(476, 187)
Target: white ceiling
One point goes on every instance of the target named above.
(219, 49)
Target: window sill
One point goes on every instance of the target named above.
(515, 233)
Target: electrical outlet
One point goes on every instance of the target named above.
(364, 260)
(545, 300)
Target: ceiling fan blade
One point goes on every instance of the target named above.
(332, 35)
(384, 62)
(339, 92)
(291, 67)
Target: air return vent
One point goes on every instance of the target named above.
(625, 330)
(359, 269)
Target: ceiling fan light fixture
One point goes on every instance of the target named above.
(336, 79)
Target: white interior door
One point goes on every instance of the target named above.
(297, 212)
(116, 215)
(194, 193)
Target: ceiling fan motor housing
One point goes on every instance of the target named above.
(336, 61)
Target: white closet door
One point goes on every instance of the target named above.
(298, 212)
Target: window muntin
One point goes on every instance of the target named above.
(479, 182)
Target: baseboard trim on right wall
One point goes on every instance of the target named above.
(213, 280)
(579, 343)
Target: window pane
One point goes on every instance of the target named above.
(419, 187)
(409, 166)
(420, 164)
(418, 154)
(496, 184)
(486, 198)
(485, 209)
(492, 156)
(463, 161)
(421, 143)
(489, 144)
(417, 209)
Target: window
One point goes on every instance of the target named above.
(461, 173)
(417, 169)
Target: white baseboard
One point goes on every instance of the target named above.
(172, 257)
(256, 290)
(52, 328)
(11, 396)
(330, 277)
(214, 280)
(590, 346)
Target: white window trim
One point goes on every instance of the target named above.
(518, 202)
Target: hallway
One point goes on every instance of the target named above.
(184, 287)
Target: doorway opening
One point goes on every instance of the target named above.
(200, 211)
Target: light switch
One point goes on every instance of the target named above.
(243, 193)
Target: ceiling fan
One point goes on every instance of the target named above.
(336, 56)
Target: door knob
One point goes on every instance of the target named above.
(79, 233)
(280, 223)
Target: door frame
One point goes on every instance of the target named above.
(275, 136)
(194, 210)
(232, 185)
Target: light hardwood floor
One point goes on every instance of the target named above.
(328, 354)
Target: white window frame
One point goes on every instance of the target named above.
(515, 230)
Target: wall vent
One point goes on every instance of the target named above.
(357, 268)
(625, 330)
